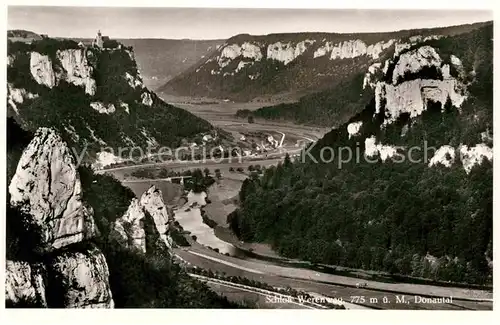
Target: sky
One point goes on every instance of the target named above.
(214, 23)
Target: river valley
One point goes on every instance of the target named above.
(218, 250)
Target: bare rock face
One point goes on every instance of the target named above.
(414, 61)
(25, 284)
(17, 96)
(474, 155)
(78, 70)
(247, 50)
(287, 52)
(411, 96)
(46, 187)
(152, 201)
(146, 99)
(134, 81)
(128, 230)
(41, 69)
(10, 60)
(82, 278)
(102, 108)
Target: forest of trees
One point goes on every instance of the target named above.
(403, 218)
(375, 216)
(325, 108)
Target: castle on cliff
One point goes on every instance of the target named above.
(99, 40)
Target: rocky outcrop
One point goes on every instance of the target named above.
(128, 230)
(355, 48)
(17, 96)
(83, 278)
(146, 99)
(42, 70)
(134, 82)
(77, 69)
(287, 52)
(246, 50)
(102, 108)
(125, 107)
(241, 65)
(401, 45)
(412, 96)
(46, 187)
(285, 67)
(352, 49)
(371, 76)
(75, 280)
(152, 201)
(471, 156)
(24, 284)
(249, 53)
(414, 61)
(353, 128)
(384, 151)
(445, 156)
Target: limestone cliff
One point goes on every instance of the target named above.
(77, 69)
(248, 67)
(83, 277)
(42, 70)
(46, 186)
(412, 96)
(409, 84)
(152, 202)
(24, 283)
(93, 97)
(128, 230)
(17, 96)
(46, 190)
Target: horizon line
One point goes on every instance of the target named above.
(257, 35)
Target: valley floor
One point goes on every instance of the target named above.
(269, 267)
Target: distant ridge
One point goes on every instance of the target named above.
(286, 66)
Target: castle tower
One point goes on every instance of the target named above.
(98, 40)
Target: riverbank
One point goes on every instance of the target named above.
(376, 280)
(221, 240)
(223, 198)
(189, 216)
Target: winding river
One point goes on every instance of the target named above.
(189, 217)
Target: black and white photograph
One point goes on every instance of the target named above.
(248, 158)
